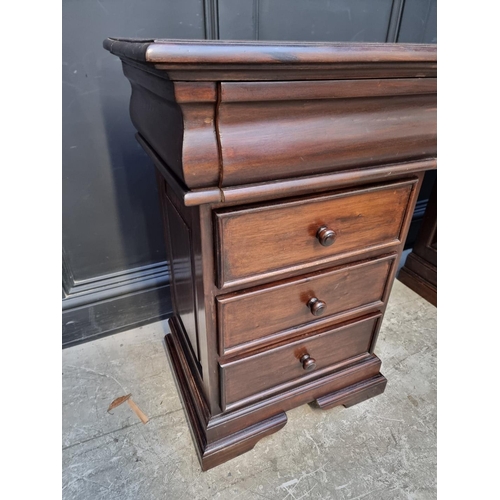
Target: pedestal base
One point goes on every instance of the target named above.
(418, 282)
(353, 394)
(222, 437)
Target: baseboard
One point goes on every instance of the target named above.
(113, 303)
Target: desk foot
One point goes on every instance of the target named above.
(353, 394)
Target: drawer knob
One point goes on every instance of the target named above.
(325, 236)
(308, 363)
(316, 306)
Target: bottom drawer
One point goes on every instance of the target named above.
(251, 376)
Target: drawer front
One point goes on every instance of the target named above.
(249, 316)
(270, 239)
(279, 139)
(251, 376)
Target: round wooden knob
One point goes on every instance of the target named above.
(325, 236)
(316, 306)
(308, 363)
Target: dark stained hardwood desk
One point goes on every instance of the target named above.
(288, 174)
(420, 269)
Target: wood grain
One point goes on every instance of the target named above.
(181, 133)
(354, 395)
(195, 92)
(268, 238)
(286, 53)
(198, 52)
(339, 71)
(289, 187)
(324, 182)
(180, 258)
(216, 437)
(210, 60)
(420, 269)
(316, 136)
(250, 315)
(257, 146)
(324, 89)
(251, 375)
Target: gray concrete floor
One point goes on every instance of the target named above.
(383, 448)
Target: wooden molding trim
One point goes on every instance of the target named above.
(288, 187)
(324, 89)
(222, 437)
(262, 52)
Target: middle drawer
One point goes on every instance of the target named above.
(253, 316)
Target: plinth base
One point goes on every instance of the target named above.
(220, 438)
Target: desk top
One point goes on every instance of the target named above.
(251, 115)
(234, 60)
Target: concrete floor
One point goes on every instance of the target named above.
(383, 448)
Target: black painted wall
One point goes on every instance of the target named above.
(114, 271)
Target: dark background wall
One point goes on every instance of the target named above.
(114, 271)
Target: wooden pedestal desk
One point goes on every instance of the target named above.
(420, 269)
(288, 174)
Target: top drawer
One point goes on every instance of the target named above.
(281, 130)
(267, 240)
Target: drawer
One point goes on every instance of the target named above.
(250, 377)
(266, 240)
(253, 316)
(293, 135)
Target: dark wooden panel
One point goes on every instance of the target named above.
(423, 199)
(311, 137)
(195, 92)
(252, 315)
(182, 274)
(420, 269)
(191, 151)
(297, 90)
(417, 281)
(319, 183)
(266, 239)
(363, 391)
(426, 244)
(222, 440)
(280, 61)
(216, 54)
(236, 396)
(249, 376)
(178, 72)
(189, 197)
(423, 269)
